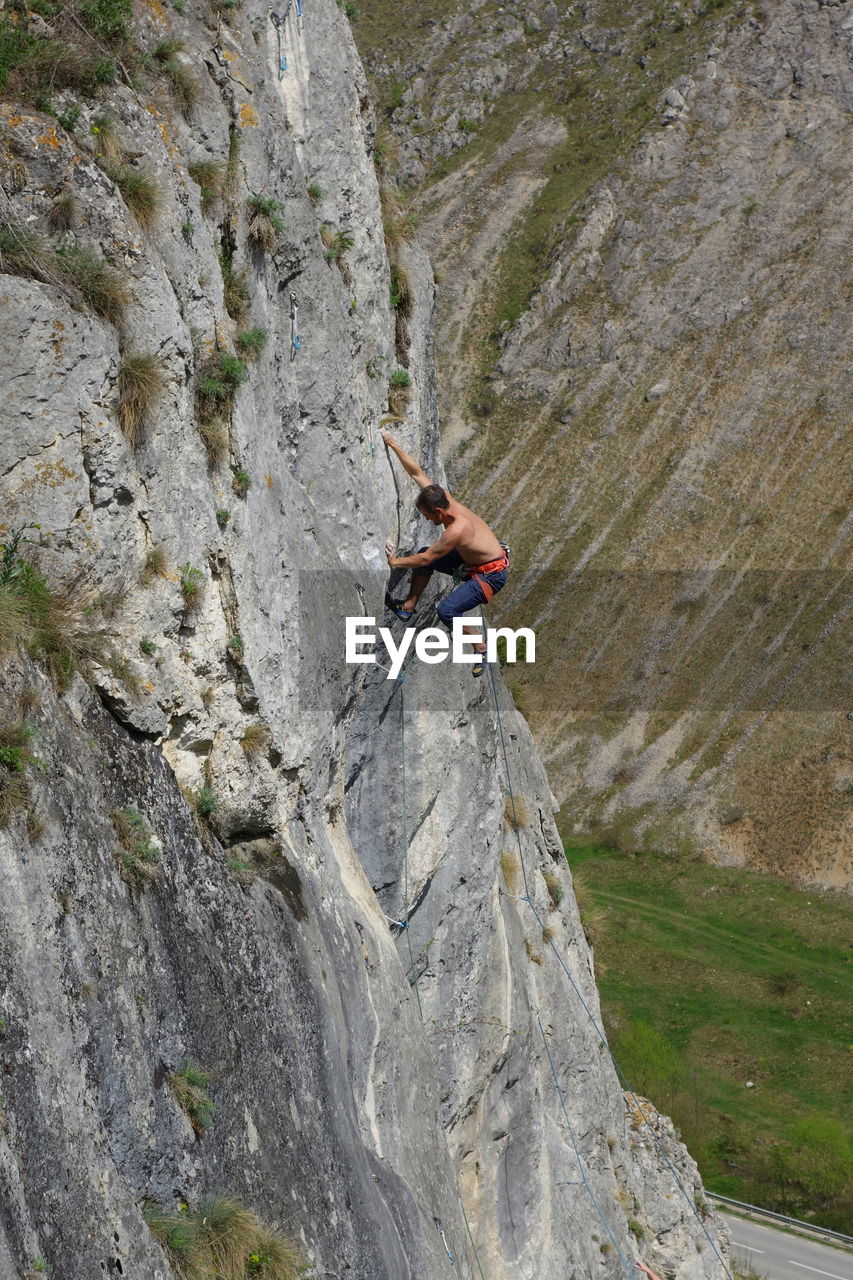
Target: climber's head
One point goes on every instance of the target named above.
(433, 502)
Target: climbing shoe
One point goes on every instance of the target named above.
(479, 666)
(405, 615)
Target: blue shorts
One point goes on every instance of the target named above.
(467, 595)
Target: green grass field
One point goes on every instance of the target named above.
(727, 1000)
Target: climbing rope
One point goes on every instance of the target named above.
(295, 342)
(278, 20)
(528, 898)
(408, 932)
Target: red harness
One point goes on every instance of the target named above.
(478, 573)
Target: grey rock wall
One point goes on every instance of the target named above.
(260, 948)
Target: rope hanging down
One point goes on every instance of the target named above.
(528, 898)
(278, 20)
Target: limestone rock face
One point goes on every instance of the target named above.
(368, 1081)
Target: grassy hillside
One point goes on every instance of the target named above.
(726, 996)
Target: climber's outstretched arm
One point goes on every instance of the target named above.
(412, 468)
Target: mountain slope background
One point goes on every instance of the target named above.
(639, 220)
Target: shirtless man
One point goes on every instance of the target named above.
(467, 544)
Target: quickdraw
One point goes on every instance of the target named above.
(437, 1222)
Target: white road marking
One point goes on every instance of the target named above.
(832, 1274)
(749, 1247)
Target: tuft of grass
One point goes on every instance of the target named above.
(221, 1240)
(105, 132)
(137, 855)
(58, 622)
(183, 85)
(235, 646)
(510, 869)
(223, 516)
(555, 889)
(255, 738)
(241, 481)
(400, 378)
(349, 9)
(140, 192)
(315, 192)
(189, 1088)
(209, 177)
(205, 801)
(516, 813)
(154, 565)
(101, 287)
(141, 378)
(402, 299)
(147, 647)
(236, 295)
(15, 757)
(265, 226)
(252, 342)
(336, 243)
(216, 383)
(193, 584)
(78, 272)
(214, 437)
(232, 163)
(62, 214)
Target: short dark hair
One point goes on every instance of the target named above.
(432, 498)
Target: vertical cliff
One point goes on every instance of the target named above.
(201, 841)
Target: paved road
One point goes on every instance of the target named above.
(778, 1256)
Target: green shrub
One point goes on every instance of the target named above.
(223, 515)
(337, 243)
(106, 19)
(400, 378)
(189, 1088)
(236, 646)
(205, 801)
(141, 378)
(401, 293)
(252, 342)
(241, 482)
(192, 584)
(69, 117)
(217, 380)
(348, 8)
